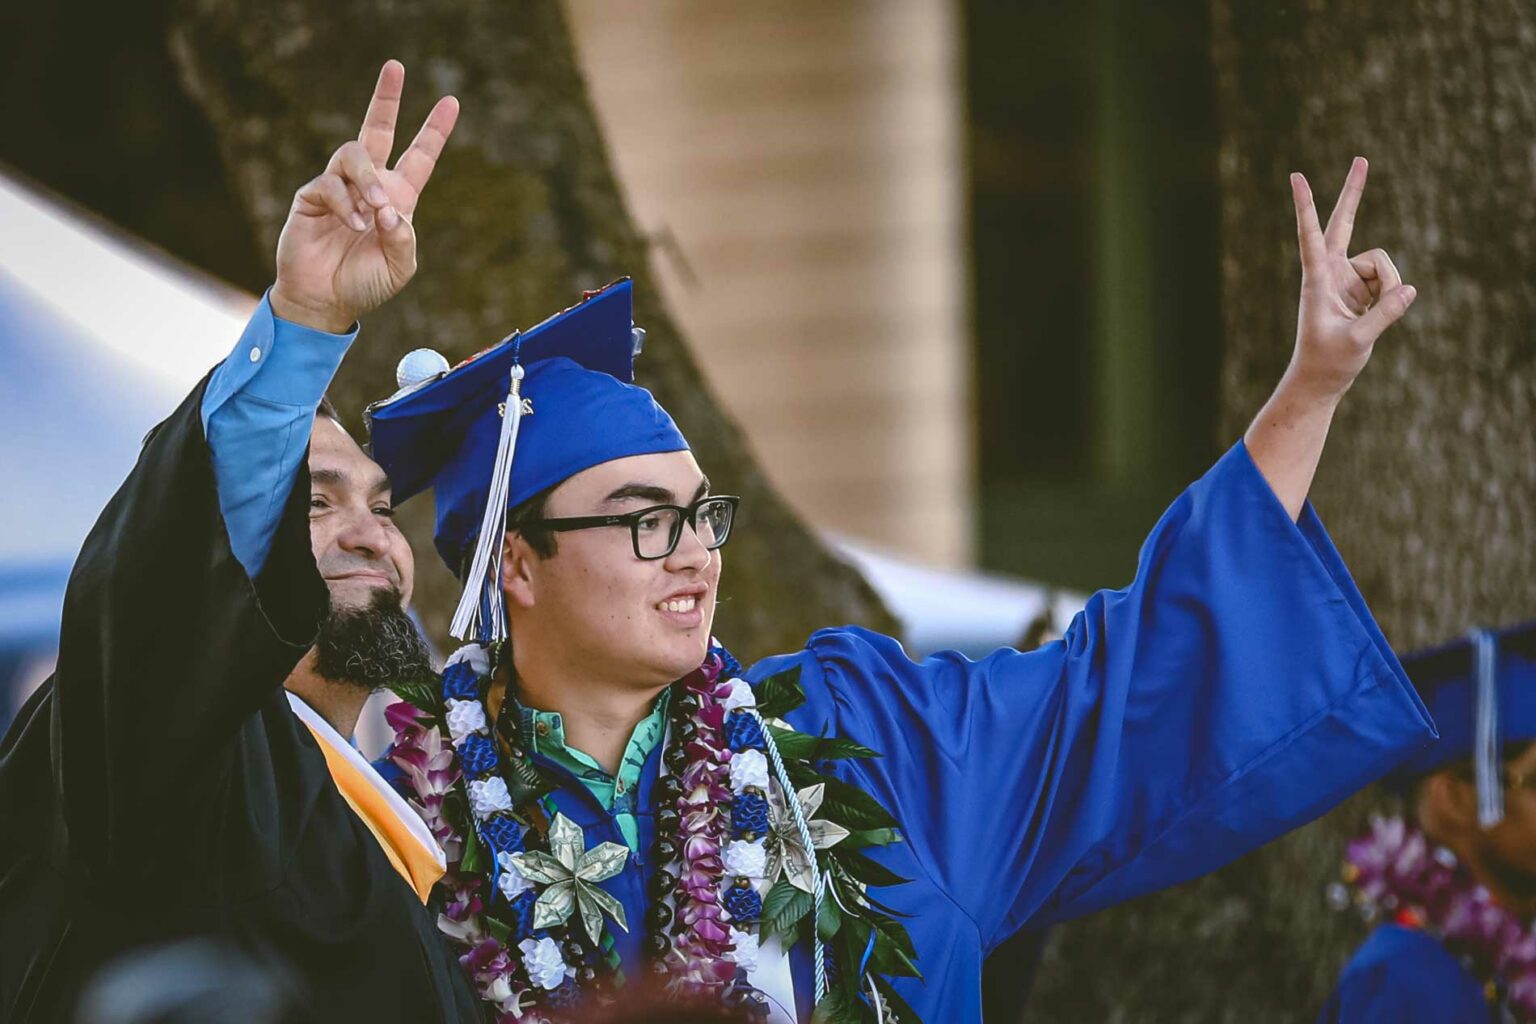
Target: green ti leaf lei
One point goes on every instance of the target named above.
(844, 820)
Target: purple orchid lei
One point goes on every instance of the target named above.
(1398, 874)
(434, 780)
(704, 964)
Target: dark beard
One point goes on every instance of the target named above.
(372, 646)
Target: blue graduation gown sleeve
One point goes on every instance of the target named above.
(1401, 976)
(1238, 688)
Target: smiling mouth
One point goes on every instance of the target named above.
(681, 605)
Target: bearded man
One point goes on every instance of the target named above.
(843, 828)
(185, 773)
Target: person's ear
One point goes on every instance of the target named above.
(519, 570)
(1448, 807)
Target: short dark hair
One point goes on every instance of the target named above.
(526, 519)
(523, 519)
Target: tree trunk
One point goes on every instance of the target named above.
(1429, 482)
(522, 215)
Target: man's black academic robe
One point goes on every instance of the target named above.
(158, 786)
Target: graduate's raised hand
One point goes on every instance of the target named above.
(1346, 301)
(1346, 304)
(348, 245)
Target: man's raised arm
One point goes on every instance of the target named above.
(348, 246)
(196, 592)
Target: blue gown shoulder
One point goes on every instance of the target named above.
(1404, 976)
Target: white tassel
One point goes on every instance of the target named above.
(1487, 753)
(482, 584)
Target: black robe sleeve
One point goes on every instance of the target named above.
(167, 648)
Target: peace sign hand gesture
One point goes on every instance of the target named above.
(1346, 302)
(348, 245)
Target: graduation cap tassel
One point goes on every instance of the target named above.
(1487, 755)
(480, 607)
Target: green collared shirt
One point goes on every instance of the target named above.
(544, 732)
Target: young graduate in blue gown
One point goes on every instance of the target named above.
(1454, 883)
(1235, 689)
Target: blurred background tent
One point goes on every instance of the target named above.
(100, 336)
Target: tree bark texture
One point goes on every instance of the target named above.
(1429, 482)
(522, 214)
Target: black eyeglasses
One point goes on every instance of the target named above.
(656, 530)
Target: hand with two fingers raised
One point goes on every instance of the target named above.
(1346, 301)
(1346, 304)
(348, 245)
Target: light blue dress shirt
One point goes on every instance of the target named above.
(257, 413)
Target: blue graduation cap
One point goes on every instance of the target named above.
(510, 423)
(1481, 692)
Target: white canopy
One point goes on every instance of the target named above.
(100, 337)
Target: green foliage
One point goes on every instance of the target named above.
(838, 1007)
(802, 774)
(891, 955)
(851, 807)
(805, 747)
(829, 920)
(890, 930)
(864, 869)
(474, 860)
(783, 909)
(870, 837)
(423, 695)
(779, 694)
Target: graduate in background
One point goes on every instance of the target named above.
(162, 785)
(1454, 882)
(842, 826)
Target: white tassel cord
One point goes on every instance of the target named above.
(1488, 759)
(482, 584)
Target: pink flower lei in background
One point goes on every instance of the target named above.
(1399, 875)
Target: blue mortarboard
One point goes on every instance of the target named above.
(515, 420)
(1481, 692)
